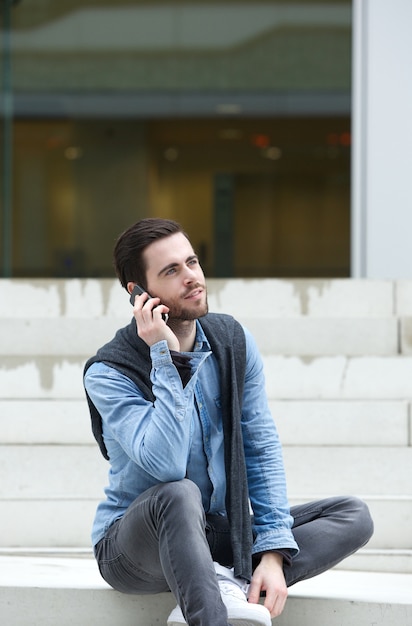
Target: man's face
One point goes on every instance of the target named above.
(174, 275)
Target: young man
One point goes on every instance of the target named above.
(179, 409)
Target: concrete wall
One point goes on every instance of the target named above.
(338, 364)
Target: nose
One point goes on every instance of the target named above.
(190, 275)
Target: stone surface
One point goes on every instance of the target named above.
(342, 422)
(70, 591)
(338, 364)
(403, 298)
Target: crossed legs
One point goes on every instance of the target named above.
(161, 543)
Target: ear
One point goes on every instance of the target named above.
(130, 287)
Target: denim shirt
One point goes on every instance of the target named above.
(181, 435)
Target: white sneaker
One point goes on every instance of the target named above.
(239, 611)
(176, 617)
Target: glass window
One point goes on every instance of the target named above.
(232, 118)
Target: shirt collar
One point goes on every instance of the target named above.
(201, 342)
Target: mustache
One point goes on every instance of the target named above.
(193, 288)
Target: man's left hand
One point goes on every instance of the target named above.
(269, 577)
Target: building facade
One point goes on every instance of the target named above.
(234, 118)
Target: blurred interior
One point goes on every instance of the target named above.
(232, 118)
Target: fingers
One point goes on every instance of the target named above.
(254, 592)
(151, 326)
(275, 598)
(145, 305)
(275, 601)
(268, 577)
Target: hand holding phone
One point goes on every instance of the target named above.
(137, 291)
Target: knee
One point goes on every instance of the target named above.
(181, 494)
(358, 512)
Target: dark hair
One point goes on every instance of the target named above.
(128, 251)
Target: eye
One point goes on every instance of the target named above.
(172, 270)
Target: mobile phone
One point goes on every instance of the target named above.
(137, 291)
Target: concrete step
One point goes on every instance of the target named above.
(52, 470)
(91, 298)
(64, 521)
(367, 559)
(303, 336)
(61, 589)
(59, 337)
(343, 422)
(57, 523)
(300, 422)
(61, 298)
(311, 298)
(49, 480)
(379, 560)
(37, 421)
(338, 377)
(361, 378)
(349, 469)
(338, 361)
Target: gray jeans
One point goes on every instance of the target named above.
(165, 542)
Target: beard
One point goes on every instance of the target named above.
(180, 312)
(184, 314)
